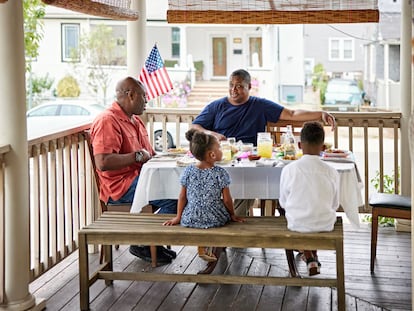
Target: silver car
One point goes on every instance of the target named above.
(59, 115)
(343, 95)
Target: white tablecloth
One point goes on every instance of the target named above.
(160, 180)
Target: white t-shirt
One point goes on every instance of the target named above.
(309, 193)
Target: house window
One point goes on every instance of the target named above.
(70, 42)
(341, 49)
(175, 42)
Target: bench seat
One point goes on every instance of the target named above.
(146, 229)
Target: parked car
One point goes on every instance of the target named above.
(343, 95)
(171, 133)
(60, 114)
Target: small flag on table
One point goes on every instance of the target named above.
(154, 75)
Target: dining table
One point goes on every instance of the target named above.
(160, 179)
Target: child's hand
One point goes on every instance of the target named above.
(172, 221)
(237, 219)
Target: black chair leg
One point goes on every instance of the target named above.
(374, 237)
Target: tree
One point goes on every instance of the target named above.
(319, 81)
(33, 13)
(98, 50)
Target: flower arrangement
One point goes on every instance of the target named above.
(255, 86)
(177, 97)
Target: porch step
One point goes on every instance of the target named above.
(204, 92)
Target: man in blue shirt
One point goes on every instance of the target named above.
(242, 116)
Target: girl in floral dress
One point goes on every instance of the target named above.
(204, 200)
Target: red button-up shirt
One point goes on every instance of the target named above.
(114, 132)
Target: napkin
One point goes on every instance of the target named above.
(266, 162)
(186, 160)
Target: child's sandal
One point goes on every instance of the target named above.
(207, 254)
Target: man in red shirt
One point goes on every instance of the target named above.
(121, 146)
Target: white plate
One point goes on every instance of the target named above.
(286, 161)
(344, 154)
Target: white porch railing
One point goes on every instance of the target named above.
(63, 195)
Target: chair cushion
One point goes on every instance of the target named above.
(390, 200)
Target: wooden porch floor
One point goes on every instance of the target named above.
(388, 289)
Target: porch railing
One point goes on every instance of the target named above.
(372, 136)
(63, 195)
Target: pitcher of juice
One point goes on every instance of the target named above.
(264, 145)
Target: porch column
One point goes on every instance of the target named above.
(387, 75)
(183, 48)
(406, 109)
(13, 132)
(137, 39)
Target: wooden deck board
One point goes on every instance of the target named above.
(388, 289)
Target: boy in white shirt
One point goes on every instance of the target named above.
(309, 190)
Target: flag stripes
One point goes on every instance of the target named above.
(155, 76)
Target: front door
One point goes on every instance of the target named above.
(219, 56)
(255, 50)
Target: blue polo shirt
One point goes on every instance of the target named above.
(242, 121)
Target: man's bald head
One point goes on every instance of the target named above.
(126, 85)
(130, 95)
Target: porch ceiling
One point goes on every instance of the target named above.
(272, 11)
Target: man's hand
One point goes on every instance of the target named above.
(216, 135)
(329, 119)
(147, 155)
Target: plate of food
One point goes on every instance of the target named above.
(177, 150)
(336, 153)
(288, 159)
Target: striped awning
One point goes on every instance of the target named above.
(272, 11)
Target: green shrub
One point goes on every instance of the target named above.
(170, 63)
(199, 67)
(388, 182)
(68, 87)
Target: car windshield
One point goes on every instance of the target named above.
(342, 88)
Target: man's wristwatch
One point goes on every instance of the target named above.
(139, 156)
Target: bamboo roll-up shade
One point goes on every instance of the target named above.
(272, 11)
(113, 9)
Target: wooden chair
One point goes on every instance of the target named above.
(104, 207)
(387, 205)
(277, 129)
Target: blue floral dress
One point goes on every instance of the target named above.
(205, 208)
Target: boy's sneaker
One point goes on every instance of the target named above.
(313, 266)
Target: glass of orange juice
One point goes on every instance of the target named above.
(226, 149)
(264, 145)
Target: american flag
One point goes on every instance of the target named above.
(154, 75)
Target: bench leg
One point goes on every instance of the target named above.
(107, 250)
(340, 275)
(293, 270)
(83, 273)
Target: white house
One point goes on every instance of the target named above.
(274, 54)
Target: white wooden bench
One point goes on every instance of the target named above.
(147, 229)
